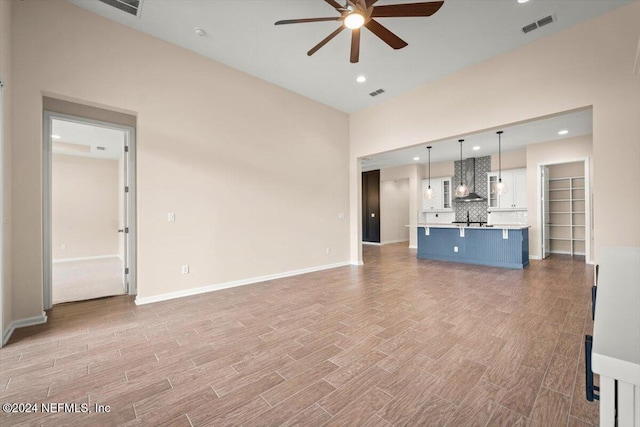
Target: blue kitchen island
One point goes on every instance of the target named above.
(496, 246)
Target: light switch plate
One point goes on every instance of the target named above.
(171, 217)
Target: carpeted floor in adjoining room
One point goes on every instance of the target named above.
(83, 280)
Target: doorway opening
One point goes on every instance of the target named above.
(89, 225)
(565, 209)
(394, 210)
(371, 207)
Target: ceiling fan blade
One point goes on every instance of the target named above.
(407, 9)
(302, 21)
(355, 45)
(325, 40)
(371, 2)
(337, 6)
(385, 35)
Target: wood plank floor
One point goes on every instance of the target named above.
(398, 341)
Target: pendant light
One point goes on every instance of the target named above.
(500, 187)
(461, 190)
(429, 193)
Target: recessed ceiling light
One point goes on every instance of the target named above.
(55, 136)
(361, 79)
(199, 32)
(476, 148)
(416, 158)
(563, 132)
(522, 1)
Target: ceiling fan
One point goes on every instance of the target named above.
(358, 13)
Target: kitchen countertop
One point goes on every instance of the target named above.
(494, 227)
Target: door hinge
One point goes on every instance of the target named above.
(126, 229)
(126, 270)
(126, 148)
(126, 189)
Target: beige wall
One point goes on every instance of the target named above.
(565, 170)
(510, 160)
(256, 175)
(563, 151)
(414, 173)
(440, 169)
(394, 210)
(573, 69)
(5, 72)
(84, 206)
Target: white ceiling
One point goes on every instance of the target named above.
(242, 34)
(77, 139)
(515, 137)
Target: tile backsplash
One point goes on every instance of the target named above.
(477, 210)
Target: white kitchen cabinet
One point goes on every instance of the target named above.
(441, 202)
(515, 198)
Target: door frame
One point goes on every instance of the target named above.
(130, 205)
(545, 241)
(588, 225)
(2, 207)
(366, 215)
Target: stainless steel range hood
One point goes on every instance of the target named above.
(469, 169)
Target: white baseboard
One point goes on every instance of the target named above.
(235, 283)
(388, 242)
(534, 257)
(566, 253)
(371, 243)
(413, 247)
(35, 320)
(357, 263)
(86, 258)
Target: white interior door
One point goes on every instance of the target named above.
(104, 238)
(544, 184)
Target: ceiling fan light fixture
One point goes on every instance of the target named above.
(354, 20)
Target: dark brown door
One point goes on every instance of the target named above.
(371, 206)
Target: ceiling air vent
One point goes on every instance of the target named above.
(377, 92)
(132, 7)
(538, 24)
(546, 20)
(99, 148)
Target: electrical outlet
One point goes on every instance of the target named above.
(455, 249)
(185, 269)
(340, 215)
(171, 217)
(63, 247)
(328, 251)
